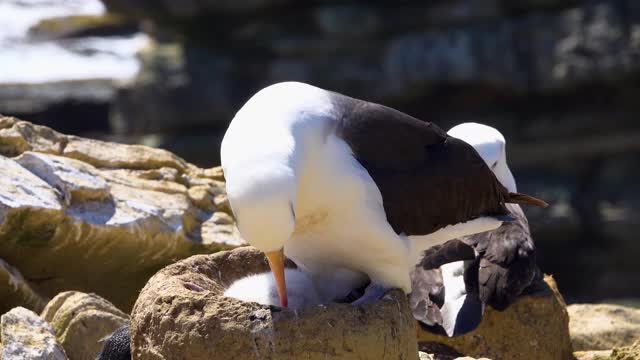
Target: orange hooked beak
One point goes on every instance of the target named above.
(276, 263)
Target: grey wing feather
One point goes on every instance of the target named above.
(426, 296)
(508, 261)
(460, 314)
(504, 268)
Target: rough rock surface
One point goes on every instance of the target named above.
(440, 356)
(603, 326)
(73, 26)
(80, 321)
(536, 326)
(631, 352)
(181, 314)
(592, 355)
(25, 336)
(16, 291)
(102, 217)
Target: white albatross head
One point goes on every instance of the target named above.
(261, 199)
(491, 146)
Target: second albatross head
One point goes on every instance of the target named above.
(490, 144)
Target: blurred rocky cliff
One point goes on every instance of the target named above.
(558, 77)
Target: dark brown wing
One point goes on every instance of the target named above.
(428, 179)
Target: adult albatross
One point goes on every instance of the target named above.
(453, 282)
(343, 185)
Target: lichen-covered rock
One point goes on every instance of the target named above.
(114, 155)
(536, 326)
(603, 326)
(631, 352)
(25, 336)
(76, 180)
(72, 26)
(23, 189)
(181, 313)
(80, 321)
(592, 355)
(16, 291)
(102, 217)
(438, 356)
(18, 136)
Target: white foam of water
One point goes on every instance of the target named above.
(16, 16)
(92, 59)
(25, 61)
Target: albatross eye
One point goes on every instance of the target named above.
(493, 166)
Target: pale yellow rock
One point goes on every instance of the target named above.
(135, 205)
(80, 321)
(427, 356)
(215, 173)
(30, 206)
(603, 326)
(111, 155)
(156, 180)
(20, 188)
(592, 355)
(7, 121)
(23, 136)
(78, 181)
(16, 291)
(25, 336)
(102, 217)
(534, 327)
(220, 199)
(202, 197)
(220, 226)
(163, 173)
(631, 352)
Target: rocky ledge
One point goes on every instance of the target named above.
(603, 326)
(26, 336)
(99, 217)
(102, 218)
(536, 326)
(181, 313)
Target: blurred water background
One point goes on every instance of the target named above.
(25, 58)
(558, 77)
(66, 66)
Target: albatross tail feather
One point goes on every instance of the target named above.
(519, 198)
